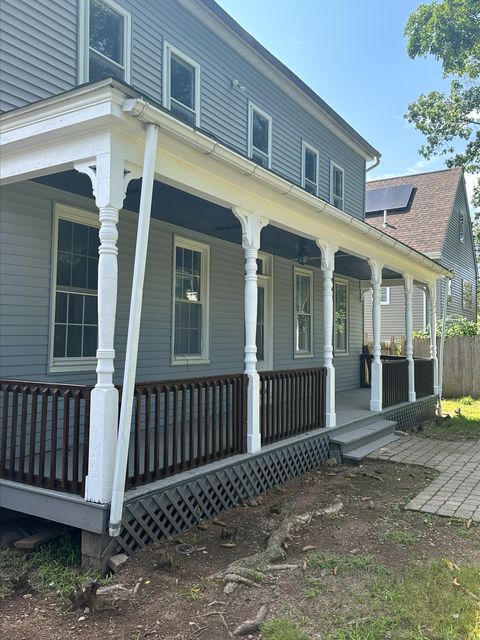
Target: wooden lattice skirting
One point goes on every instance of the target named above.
(172, 507)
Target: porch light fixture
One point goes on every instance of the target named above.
(302, 257)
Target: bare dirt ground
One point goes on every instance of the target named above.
(182, 603)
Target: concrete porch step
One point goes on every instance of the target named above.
(356, 455)
(358, 436)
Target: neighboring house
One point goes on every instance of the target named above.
(244, 365)
(429, 212)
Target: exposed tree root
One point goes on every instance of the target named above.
(251, 626)
(253, 569)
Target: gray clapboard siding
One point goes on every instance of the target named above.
(27, 211)
(47, 65)
(393, 314)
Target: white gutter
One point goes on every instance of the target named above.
(373, 165)
(130, 368)
(442, 347)
(148, 113)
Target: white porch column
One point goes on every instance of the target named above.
(328, 266)
(109, 181)
(252, 225)
(432, 298)
(408, 286)
(377, 391)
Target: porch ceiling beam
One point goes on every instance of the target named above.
(386, 282)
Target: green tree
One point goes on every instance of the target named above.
(449, 30)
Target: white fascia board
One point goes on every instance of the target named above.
(273, 74)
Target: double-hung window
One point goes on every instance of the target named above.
(384, 295)
(181, 85)
(74, 290)
(190, 309)
(105, 32)
(340, 323)
(309, 169)
(259, 136)
(337, 186)
(303, 292)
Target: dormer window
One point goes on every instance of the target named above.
(336, 186)
(181, 85)
(107, 41)
(259, 136)
(310, 169)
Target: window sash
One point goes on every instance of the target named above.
(187, 107)
(303, 291)
(340, 328)
(337, 186)
(92, 59)
(260, 154)
(309, 173)
(384, 295)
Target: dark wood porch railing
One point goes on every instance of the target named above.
(291, 402)
(423, 377)
(394, 381)
(183, 424)
(44, 434)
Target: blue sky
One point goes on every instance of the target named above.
(353, 54)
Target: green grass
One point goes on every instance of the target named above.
(464, 425)
(344, 563)
(402, 537)
(282, 629)
(13, 569)
(424, 605)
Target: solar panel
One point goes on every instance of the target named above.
(397, 197)
(388, 198)
(374, 199)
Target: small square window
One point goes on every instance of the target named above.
(181, 85)
(106, 42)
(337, 186)
(310, 169)
(259, 136)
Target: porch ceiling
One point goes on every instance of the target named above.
(191, 212)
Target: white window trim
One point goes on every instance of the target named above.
(186, 243)
(306, 146)
(387, 301)
(168, 49)
(334, 165)
(296, 353)
(81, 216)
(84, 39)
(251, 108)
(341, 281)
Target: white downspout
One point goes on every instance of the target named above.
(442, 347)
(130, 368)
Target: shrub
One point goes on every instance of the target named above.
(455, 325)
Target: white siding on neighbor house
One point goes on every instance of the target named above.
(25, 266)
(393, 314)
(39, 59)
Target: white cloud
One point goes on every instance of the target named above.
(423, 165)
(471, 179)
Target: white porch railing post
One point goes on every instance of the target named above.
(328, 266)
(408, 286)
(109, 181)
(376, 378)
(252, 225)
(432, 297)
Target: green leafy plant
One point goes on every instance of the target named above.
(282, 629)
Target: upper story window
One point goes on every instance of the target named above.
(181, 85)
(259, 136)
(303, 312)
(310, 169)
(74, 290)
(462, 227)
(341, 317)
(106, 27)
(384, 295)
(337, 186)
(190, 311)
(466, 295)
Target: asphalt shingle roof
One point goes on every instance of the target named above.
(423, 224)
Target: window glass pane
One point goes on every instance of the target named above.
(260, 127)
(75, 308)
(261, 324)
(64, 268)
(182, 112)
(260, 158)
(311, 187)
(74, 341)
(65, 231)
(89, 341)
(182, 82)
(341, 307)
(303, 332)
(80, 239)
(310, 165)
(90, 312)
(59, 342)
(79, 272)
(337, 182)
(106, 31)
(188, 302)
(92, 273)
(99, 68)
(93, 242)
(61, 307)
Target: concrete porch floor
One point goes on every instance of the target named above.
(353, 405)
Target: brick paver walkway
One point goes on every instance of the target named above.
(456, 491)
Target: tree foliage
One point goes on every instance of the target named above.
(455, 325)
(449, 30)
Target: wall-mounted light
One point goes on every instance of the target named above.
(236, 84)
(302, 257)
